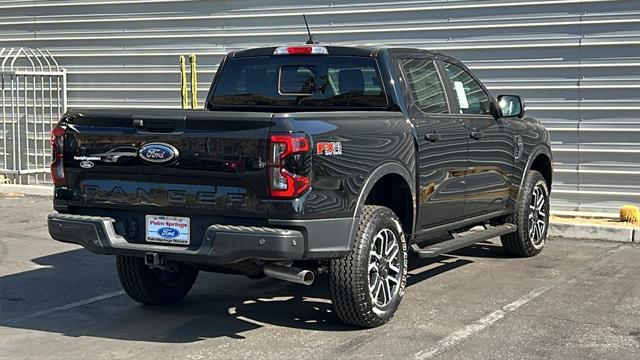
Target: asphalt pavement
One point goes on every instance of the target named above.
(577, 300)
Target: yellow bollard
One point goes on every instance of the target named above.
(194, 82)
(183, 83)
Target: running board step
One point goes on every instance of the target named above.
(448, 246)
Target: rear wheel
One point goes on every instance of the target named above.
(154, 286)
(531, 217)
(367, 286)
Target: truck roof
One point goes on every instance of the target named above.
(347, 51)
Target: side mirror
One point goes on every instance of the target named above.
(511, 106)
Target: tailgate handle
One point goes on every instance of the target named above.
(158, 123)
(154, 125)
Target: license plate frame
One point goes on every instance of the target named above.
(169, 230)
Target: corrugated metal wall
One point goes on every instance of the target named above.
(577, 63)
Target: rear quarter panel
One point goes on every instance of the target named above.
(369, 140)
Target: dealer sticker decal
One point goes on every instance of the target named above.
(329, 148)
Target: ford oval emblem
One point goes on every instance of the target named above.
(168, 233)
(158, 153)
(86, 164)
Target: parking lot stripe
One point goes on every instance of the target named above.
(72, 305)
(479, 325)
(460, 335)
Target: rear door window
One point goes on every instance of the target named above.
(425, 85)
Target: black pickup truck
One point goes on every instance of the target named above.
(307, 159)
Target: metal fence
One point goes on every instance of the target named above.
(33, 99)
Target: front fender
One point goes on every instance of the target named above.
(538, 150)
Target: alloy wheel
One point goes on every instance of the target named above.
(538, 217)
(384, 268)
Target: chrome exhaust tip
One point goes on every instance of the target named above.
(291, 274)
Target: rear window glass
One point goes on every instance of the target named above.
(297, 80)
(300, 81)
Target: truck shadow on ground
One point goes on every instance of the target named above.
(219, 305)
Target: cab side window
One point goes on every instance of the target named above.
(472, 99)
(425, 85)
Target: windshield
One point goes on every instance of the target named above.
(300, 81)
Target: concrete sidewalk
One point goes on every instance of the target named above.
(593, 232)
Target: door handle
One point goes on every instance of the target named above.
(476, 134)
(433, 137)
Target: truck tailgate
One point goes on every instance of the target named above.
(168, 162)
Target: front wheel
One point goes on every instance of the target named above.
(367, 286)
(154, 286)
(531, 216)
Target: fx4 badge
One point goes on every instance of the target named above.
(329, 148)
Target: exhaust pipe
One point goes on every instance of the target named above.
(291, 274)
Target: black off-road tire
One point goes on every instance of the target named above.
(152, 286)
(521, 243)
(349, 277)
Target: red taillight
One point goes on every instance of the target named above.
(288, 169)
(57, 156)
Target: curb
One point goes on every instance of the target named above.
(556, 230)
(593, 232)
(37, 190)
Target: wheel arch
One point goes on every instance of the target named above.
(540, 160)
(401, 199)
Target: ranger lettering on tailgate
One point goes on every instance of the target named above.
(135, 193)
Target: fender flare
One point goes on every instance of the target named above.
(377, 174)
(539, 150)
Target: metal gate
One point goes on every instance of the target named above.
(34, 97)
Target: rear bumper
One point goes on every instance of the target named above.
(221, 244)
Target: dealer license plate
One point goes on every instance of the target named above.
(167, 229)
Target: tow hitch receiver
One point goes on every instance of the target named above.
(152, 259)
